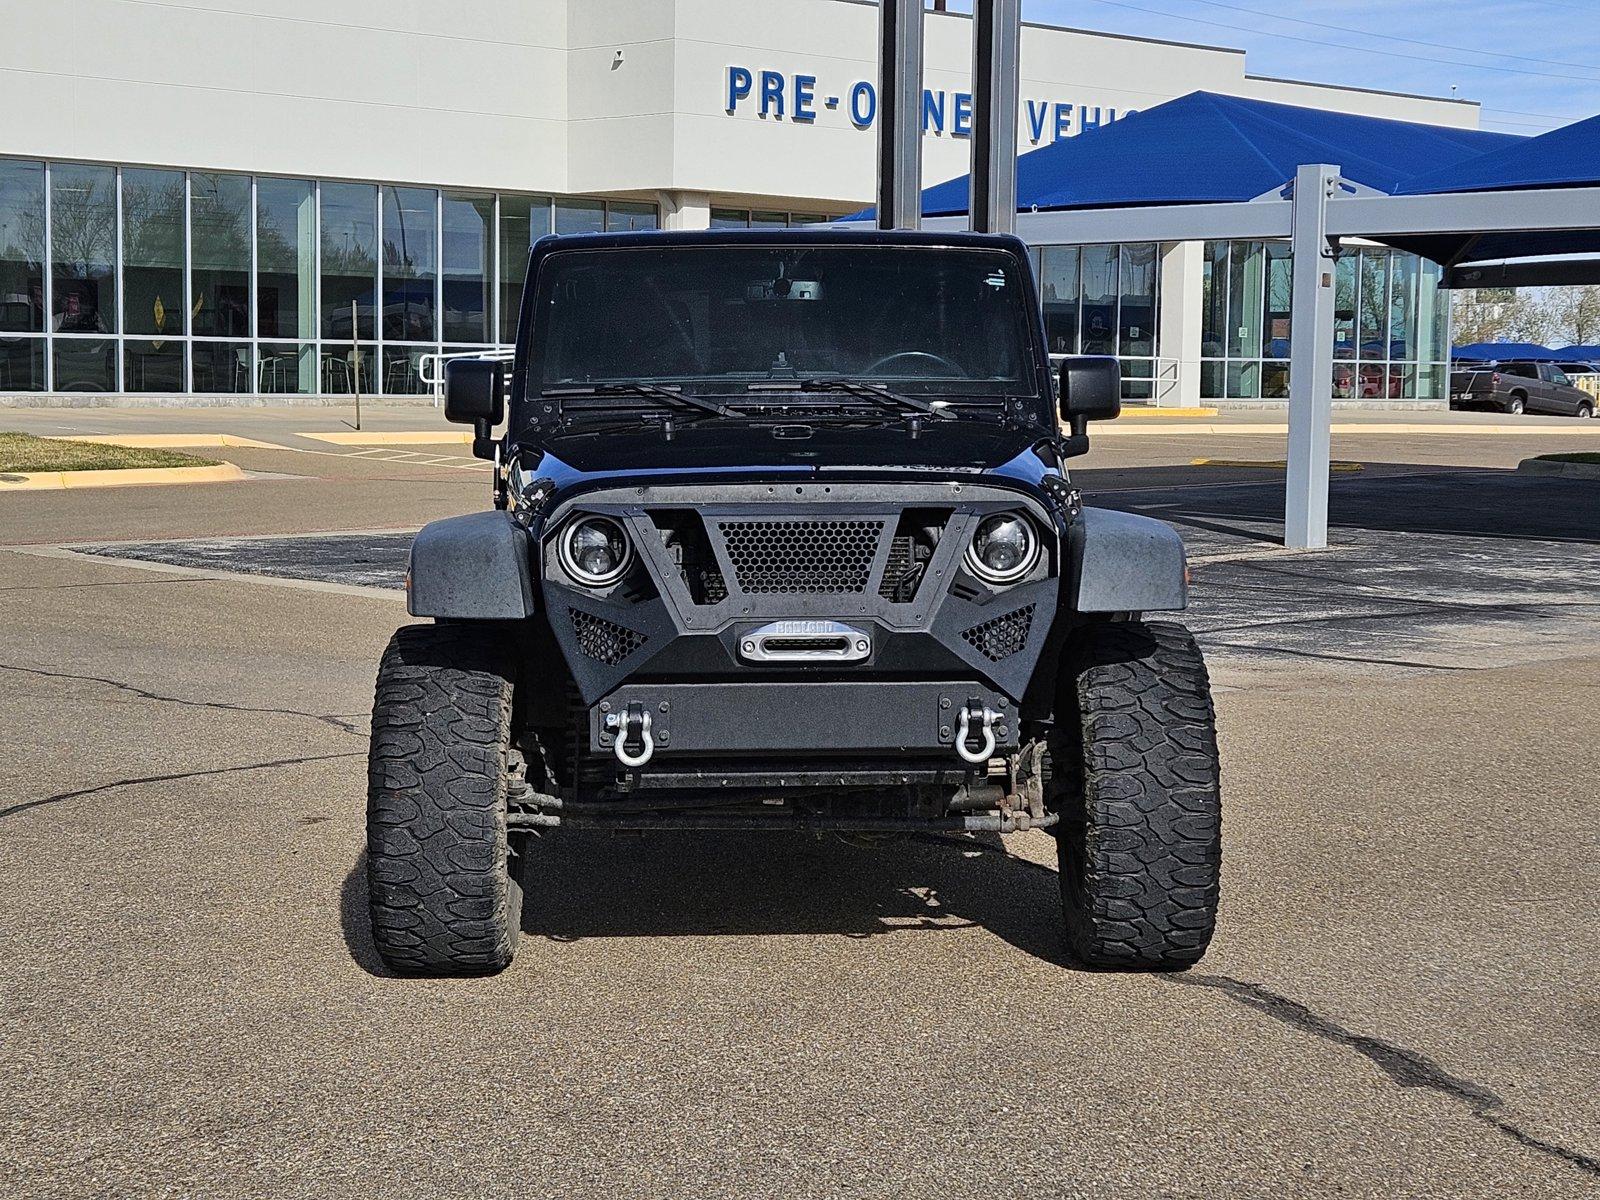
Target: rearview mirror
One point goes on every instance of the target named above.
(1091, 390)
(475, 394)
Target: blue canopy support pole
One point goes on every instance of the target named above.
(900, 114)
(1305, 518)
(996, 51)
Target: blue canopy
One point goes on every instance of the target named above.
(1502, 351)
(1578, 354)
(1565, 157)
(1206, 147)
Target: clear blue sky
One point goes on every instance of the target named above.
(1532, 64)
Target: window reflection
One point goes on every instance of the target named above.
(219, 243)
(286, 257)
(152, 253)
(410, 234)
(523, 221)
(349, 260)
(83, 249)
(21, 248)
(468, 249)
(580, 216)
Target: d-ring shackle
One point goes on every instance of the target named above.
(648, 746)
(963, 731)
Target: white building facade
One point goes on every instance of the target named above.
(223, 197)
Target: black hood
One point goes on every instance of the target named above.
(958, 444)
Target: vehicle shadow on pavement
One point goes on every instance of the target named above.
(594, 885)
(580, 884)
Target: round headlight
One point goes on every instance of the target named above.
(595, 551)
(1003, 549)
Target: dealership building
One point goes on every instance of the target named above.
(229, 197)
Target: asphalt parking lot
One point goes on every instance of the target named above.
(1402, 999)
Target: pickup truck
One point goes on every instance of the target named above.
(1518, 387)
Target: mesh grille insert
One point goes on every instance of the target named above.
(789, 557)
(604, 641)
(1003, 636)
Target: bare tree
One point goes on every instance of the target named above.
(1575, 315)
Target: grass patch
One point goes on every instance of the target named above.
(22, 452)
(1586, 456)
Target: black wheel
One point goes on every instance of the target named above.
(1585, 410)
(442, 900)
(1140, 839)
(1515, 406)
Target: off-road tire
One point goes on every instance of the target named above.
(442, 900)
(1140, 840)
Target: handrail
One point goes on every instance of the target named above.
(435, 381)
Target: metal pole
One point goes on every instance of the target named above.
(1305, 517)
(355, 361)
(996, 86)
(900, 114)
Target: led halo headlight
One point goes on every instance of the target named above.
(595, 550)
(1004, 548)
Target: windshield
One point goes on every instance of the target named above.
(717, 319)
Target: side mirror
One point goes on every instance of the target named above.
(474, 390)
(1090, 390)
(474, 394)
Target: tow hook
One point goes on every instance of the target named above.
(636, 719)
(984, 752)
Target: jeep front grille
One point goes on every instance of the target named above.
(602, 640)
(1003, 636)
(801, 557)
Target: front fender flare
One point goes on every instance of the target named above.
(1126, 563)
(471, 568)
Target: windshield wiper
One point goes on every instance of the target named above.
(856, 387)
(650, 391)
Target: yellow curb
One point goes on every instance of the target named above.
(406, 437)
(1168, 413)
(166, 441)
(44, 481)
(1270, 465)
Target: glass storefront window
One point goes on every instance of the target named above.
(221, 367)
(1099, 334)
(1245, 279)
(219, 245)
(153, 365)
(84, 364)
(410, 263)
(580, 216)
(286, 258)
(1391, 325)
(349, 261)
(1058, 288)
(523, 221)
(402, 370)
(1373, 323)
(83, 255)
(468, 264)
(768, 220)
(1344, 304)
(21, 249)
(286, 368)
(152, 254)
(346, 369)
(1403, 307)
(21, 364)
(626, 215)
(1137, 313)
(730, 218)
(1214, 305)
(1279, 302)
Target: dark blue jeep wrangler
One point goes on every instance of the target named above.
(783, 539)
